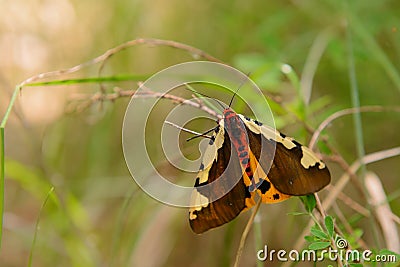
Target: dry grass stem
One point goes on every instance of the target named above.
(89, 99)
(246, 232)
(351, 203)
(197, 53)
(383, 211)
(344, 112)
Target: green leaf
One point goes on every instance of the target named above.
(319, 234)
(319, 245)
(330, 227)
(309, 238)
(356, 265)
(309, 202)
(2, 175)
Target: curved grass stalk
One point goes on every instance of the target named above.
(37, 225)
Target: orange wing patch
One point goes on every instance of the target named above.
(261, 183)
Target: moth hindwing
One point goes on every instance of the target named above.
(240, 162)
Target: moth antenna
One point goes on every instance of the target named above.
(181, 128)
(196, 134)
(237, 90)
(201, 135)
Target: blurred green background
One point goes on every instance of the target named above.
(97, 215)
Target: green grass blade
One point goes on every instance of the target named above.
(300, 108)
(10, 106)
(2, 159)
(355, 101)
(1, 181)
(376, 51)
(37, 225)
(118, 229)
(359, 137)
(115, 78)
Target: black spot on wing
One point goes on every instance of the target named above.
(296, 143)
(248, 194)
(264, 186)
(282, 135)
(198, 184)
(258, 123)
(275, 196)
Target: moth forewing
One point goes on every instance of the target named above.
(229, 159)
(210, 154)
(291, 167)
(222, 195)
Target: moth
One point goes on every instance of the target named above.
(239, 163)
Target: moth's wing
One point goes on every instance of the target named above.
(266, 190)
(305, 173)
(205, 214)
(294, 169)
